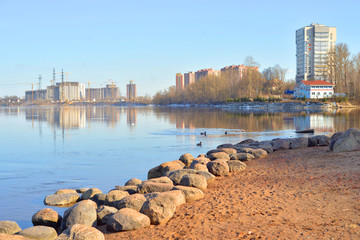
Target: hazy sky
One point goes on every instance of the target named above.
(150, 41)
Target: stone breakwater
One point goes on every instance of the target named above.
(138, 204)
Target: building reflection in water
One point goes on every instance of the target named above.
(318, 122)
(131, 117)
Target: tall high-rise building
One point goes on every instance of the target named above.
(131, 90)
(313, 44)
(179, 81)
(189, 78)
(205, 72)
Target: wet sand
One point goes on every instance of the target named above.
(310, 193)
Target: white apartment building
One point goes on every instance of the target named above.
(313, 44)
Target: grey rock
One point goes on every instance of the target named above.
(171, 166)
(322, 140)
(148, 187)
(134, 201)
(99, 198)
(61, 199)
(281, 144)
(194, 180)
(90, 193)
(242, 156)
(218, 167)
(226, 145)
(301, 142)
(218, 155)
(127, 219)
(47, 217)
(163, 179)
(81, 190)
(228, 151)
(334, 138)
(191, 193)
(198, 166)
(114, 196)
(236, 166)
(12, 237)
(130, 189)
(247, 141)
(39, 233)
(176, 176)
(9, 227)
(133, 182)
(81, 232)
(177, 196)
(187, 159)
(349, 141)
(154, 172)
(159, 209)
(83, 212)
(103, 213)
(62, 191)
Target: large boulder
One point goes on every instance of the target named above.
(242, 156)
(149, 187)
(194, 180)
(103, 213)
(81, 232)
(61, 199)
(228, 151)
(225, 145)
(191, 193)
(281, 144)
(131, 189)
(83, 212)
(9, 227)
(47, 217)
(171, 166)
(218, 155)
(257, 153)
(134, 201)
(177, 196)
(236, 166)
(12, 237)
(39, 233)
(127, 219)
(349, 141)
(187, 159)
(88, 194)
(177, 175)
(322, 140)
(246, 141)
(154, 172)
(218, 167)
(301, 142)
(81, 190)
(266, 146)
(99, 198)
(133, 182)
(61, 191)
(334, 138)
(163, 179)
(114, 196)
(159, 209)
(198, 166)
(202, 160)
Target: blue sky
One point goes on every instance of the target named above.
(150, 41)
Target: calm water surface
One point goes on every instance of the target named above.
(49, 148)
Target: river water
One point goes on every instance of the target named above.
(44, 149)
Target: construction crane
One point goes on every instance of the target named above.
(62, 83)
(32, 89)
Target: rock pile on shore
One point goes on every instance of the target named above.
(138, 204)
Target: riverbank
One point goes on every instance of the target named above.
(291, 194)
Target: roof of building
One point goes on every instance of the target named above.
(318, 83)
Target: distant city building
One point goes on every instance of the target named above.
(313, 44)
(35, 95)
(314, 89)
(131, 91)
(110, 92)
(189, 78)
(93, 94)
(53, 93)
(179, 81)
(205, 72)
(71, 91)
(237, 71)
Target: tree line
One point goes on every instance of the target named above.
(227, 86)
(344, 70)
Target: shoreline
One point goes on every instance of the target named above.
(289, 194)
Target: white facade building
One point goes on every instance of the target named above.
(313, 44)
(314, 89)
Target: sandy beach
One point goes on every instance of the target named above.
(310, 193)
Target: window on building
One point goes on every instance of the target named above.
(313, 93)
